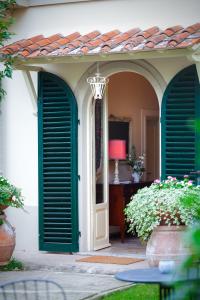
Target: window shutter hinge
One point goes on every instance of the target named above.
(79, 234)
(79, 122)
(79, 177)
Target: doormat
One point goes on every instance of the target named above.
(110, 260)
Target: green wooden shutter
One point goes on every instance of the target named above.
(57, 128)
(180, 105)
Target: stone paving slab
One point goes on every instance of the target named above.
(65, 262)
(77, 286)
(80, 280)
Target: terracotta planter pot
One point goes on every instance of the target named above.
(2, 207)
(7, 241)
(166, 243)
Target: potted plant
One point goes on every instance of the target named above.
(158, 215)
(9, 196)
(136, 164)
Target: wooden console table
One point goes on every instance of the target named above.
(119, 197)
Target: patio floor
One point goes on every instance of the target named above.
(132, 247)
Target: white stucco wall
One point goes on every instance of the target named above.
(20, 163)
(19, 124)
(105, 16)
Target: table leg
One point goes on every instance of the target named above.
(165, 292)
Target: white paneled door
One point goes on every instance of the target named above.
(100, 168)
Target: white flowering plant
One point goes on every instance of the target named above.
(162, 204)
(137, 164)
(9, 195)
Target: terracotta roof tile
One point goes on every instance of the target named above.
(13, 48)
(43, 42)
(94, 43)
(63, 41)
(109, 35)
(172, 30)
(113, 41)
(178, 38)
(133, 31)
(36, 38)
(92, 35)
(119, 39)
(188, 42)
(84, 49)
(134, 42)
(34, 54)
(193, 28)
(149, 32)
(73, 36)
(25, 53)
(25, 43)
(54, 37)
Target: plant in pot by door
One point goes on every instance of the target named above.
(9, 196)
(158, 215)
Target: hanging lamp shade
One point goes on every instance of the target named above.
(97, 84)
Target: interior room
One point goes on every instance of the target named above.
(133, 116)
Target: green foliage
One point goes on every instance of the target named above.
(5, 21)
(190, 288)
(162, 202)
(137, 292)
(184, 290)
(13, 265)
(9, 194)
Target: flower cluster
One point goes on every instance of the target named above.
(9, 194)
(136, 164)
(163, 203)
(173, 182)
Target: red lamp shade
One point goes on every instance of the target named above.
(117, 149)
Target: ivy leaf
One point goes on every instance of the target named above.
(6, 20)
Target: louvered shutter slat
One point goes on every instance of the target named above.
(178, 139)
(58, 165)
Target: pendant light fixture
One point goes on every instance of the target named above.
(97, 84)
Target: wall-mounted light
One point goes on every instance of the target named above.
(97, 84)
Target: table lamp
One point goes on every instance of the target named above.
(117, 150)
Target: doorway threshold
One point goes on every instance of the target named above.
(132, 247)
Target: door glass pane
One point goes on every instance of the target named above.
(99, 150)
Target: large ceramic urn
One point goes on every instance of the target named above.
(166, 243)
(7, 240)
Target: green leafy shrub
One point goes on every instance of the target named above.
(13, 265)
(6, 20)
(162, 204)
(9, 194)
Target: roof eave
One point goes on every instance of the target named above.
(130, 55)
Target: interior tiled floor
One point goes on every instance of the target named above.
(131, 247)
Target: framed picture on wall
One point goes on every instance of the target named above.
(121, 129)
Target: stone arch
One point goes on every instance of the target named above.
(84, 99)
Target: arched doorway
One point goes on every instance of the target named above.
(87, 184)
(129, 112)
